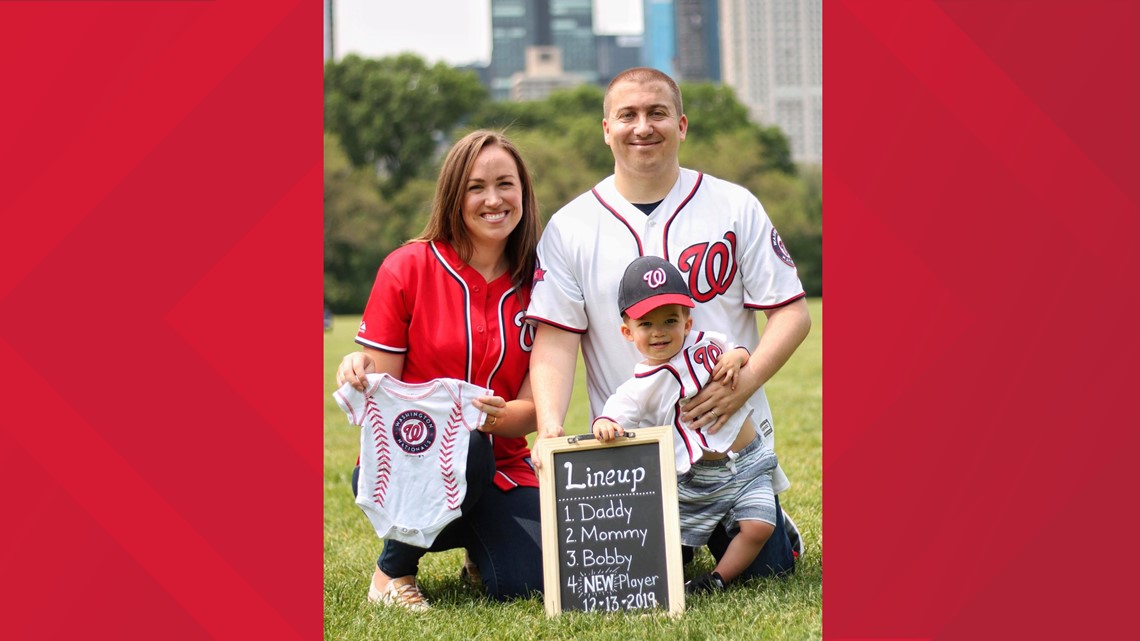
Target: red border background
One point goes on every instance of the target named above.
(161, 282)
(981, 197)
(159, 297)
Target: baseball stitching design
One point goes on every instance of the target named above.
(375, 419)
(447, 450)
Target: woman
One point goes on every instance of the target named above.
(449, 304)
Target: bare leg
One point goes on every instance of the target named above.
(743, 548)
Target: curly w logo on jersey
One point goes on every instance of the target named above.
(711, 267)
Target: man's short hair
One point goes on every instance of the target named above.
(642, 76)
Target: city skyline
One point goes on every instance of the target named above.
(457, 32)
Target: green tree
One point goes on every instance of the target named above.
(352, 214)
(713, 109)
(393, 113)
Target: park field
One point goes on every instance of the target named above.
(789, 608)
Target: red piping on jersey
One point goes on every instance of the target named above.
(466, 305)
(509, 479)
(381, 347)
(539, 319)
(665, 230)
(502, 336)
(676, 406)
(681, 431)
(427, 388)
(696, 382)
(667, 368)
(640, 251)
(777, 305)
(689, 364)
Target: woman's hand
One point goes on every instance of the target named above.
(495, 407)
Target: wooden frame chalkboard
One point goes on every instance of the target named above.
(611, 539)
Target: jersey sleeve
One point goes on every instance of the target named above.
(649, 400)
(351, 402)
(623, 407)
(388, 313)
(463, 393)
(768, 271)
(556, 296)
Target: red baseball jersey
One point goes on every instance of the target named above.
(449, 322)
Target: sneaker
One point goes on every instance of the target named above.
(794, 536)
(402, 592)
(710, 582)
(469, 574)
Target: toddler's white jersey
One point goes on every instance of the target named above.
(657, 393)
(413, 452)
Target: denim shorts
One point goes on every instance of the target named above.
(725, 491)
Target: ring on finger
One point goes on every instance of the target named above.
(492, 420)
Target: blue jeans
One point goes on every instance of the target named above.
(774, 559)
(501, 531)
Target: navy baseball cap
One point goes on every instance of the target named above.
(650, 282)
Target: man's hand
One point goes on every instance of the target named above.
(710, 408)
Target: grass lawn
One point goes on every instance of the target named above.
(789, 608)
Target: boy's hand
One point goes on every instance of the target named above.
(606, 430)
(728, 366)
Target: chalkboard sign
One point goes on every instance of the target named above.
(610, 533)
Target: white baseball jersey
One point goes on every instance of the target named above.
(413, 452)
(714, 231)
(657, 393)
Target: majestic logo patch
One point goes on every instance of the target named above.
(413, 431)
(781, 251)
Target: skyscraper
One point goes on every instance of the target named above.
(616, 54)
(772, 55)
(519, 24)
(698, 40)
(659, 46)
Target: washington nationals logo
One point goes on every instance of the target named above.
(781, 251)
(413, 431)
(711, 267)
(526, 332)
(707, 355)
(654, 278)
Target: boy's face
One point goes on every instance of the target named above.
(660, 334)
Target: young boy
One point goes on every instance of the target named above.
(722, 477)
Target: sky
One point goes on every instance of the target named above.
(457, 32)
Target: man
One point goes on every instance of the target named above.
(715, 232)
